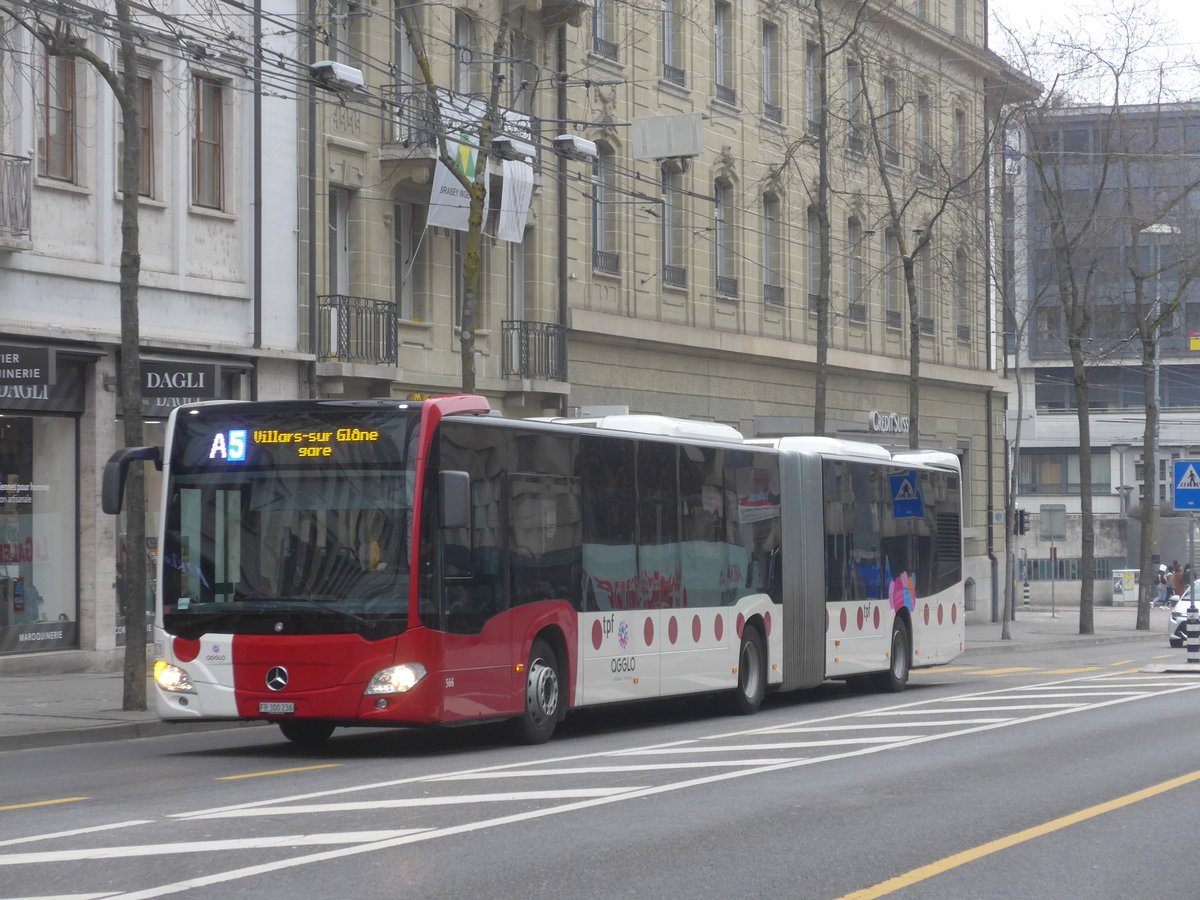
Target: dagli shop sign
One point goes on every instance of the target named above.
(178, 379)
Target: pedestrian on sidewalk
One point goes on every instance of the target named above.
(1161, 583)
(1176, 578)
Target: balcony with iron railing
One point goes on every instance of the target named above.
(534, 350)
(16, 198)
(356, 330)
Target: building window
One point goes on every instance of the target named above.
(56, 144)
(411, 260)
(960, 19)
(672, 42)
(341, 16)
(891, 122)
(605, 255)
(523, 75)
(208, 136)
(604, 29)
(924, 136)
(814, 68)
(855, 133)
(723, 51)
(724, 262)
(893, 283)
(464, 52)
(772, 250)
(146, 113)
(962, 299)
(673, 241)
(925, 293)
(338, 220)
(961, 169)
(1057, 472)
(772, 99)
(812, 241)
(856, 302)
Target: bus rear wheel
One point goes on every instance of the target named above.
(752, 673)
(306, 732)
(542, 696)
(895, 679)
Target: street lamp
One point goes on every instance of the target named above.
(1157, 231)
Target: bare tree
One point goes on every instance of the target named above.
(59, 37)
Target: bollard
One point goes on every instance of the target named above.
(1026, 589)
(1192, 629)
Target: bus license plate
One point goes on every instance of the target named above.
(277, 709)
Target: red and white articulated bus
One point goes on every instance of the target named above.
(355, 563)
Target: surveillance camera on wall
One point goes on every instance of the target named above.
(337, 76)
(573, 147)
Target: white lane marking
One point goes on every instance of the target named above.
(1081, 695)
(868, 726)
(784, 745)
(269, 808)
(71, 896)
(927, 711)
(74, 831)
(246, 843)
(529, 815)
(602, 770)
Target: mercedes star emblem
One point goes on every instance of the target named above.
(277, 678)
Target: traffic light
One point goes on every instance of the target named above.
(1021, 522)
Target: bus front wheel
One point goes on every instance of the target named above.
(895, 679)
(542, 696)
(752, 673)
(307, 732)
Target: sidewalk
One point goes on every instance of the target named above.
(49, 710)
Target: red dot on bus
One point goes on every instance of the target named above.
(185, 650)
(876, 617)
(843, 620)
(649, 631)
(954, 614)
(741, 624)
(860, 618)
(672, 630)
(926, 613)
(597, 634)
(767, 622)
(719, 627)
(696, 629)
(940, 611)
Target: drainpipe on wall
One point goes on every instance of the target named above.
(257, 298)
(561, 67)
(313, 391)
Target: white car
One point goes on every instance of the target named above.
(1177, 622)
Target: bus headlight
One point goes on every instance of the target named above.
(172, 678)
(396, 680)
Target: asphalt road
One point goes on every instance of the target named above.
(1043, 774)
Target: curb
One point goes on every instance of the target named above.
(1088, 640)
(122, 731)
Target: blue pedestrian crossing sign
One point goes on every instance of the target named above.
(1187, 484)
(906, 497)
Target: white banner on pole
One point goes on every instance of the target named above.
(514, 204)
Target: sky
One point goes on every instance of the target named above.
(1174, 27)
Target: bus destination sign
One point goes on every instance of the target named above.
(234, 444)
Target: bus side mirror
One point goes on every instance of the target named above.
(112, 488)
(455, 491)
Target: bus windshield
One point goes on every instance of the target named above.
(288, 522)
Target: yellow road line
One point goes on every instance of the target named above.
(44, 803)
(938, 670)
(1124, 662)
(1070, 671)
(277, 772)
(1009, 671)
(924, 873)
